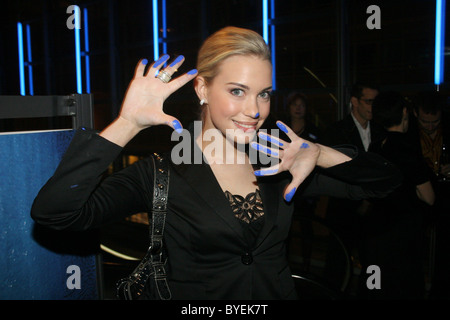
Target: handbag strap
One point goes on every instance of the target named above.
(157, 223)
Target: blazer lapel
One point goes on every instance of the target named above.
(203, 181)
(353, 133)
(271, 195)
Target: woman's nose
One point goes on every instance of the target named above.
(252, 110)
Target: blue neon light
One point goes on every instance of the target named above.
(78, 50)
(439, 42)
(30, 60)
(86, 51)
(21, 62)
(164, 25)
(265, 21)
(155, 30)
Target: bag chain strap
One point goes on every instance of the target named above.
(158, 255)
(154, 261)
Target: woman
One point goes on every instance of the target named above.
(214, 252)
(394, 230)
(298, 117)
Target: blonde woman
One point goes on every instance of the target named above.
(227, 222)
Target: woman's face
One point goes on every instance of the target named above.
(238, 98)
(297, 109)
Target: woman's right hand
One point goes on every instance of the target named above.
(145, 96)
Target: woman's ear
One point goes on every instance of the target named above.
(201, 89)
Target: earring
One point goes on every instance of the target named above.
(202, 102)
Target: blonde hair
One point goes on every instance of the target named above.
(225, 43)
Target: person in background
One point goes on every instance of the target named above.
(345, 216)
(394, 225)
(298, 117)
(430, 131)
(356, 128)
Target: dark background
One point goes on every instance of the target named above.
(328, 37)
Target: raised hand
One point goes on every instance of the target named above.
(299, 157)
(143, 103)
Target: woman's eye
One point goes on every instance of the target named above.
(237, 92)
(265, 95)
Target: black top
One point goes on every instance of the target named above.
(403, 203)
(250, 212)
(399, 150)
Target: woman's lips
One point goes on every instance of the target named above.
(245, 126)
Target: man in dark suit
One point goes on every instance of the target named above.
(345, 217)
(357, 128)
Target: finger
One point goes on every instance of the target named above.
(173, 67)
(174, 123)
(290, 192)
(177, 83)
(274, 140)
(158, 64)
(283, 127)
(297, 180)
(140, 68)
(267, 171)
(292, 188)
(273, 152)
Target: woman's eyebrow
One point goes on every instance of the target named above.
(239, 85)
(247, 87)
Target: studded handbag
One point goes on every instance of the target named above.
(148, 281)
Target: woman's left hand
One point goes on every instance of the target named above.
(299, 157)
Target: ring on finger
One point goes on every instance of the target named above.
(164, 76)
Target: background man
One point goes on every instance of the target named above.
(430, 130)
(345, 217)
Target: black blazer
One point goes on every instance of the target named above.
(346, 132)
(209, 257)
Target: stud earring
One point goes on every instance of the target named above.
(202, 102)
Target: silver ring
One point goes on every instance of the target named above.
(164, 76)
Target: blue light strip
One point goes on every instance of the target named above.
(439, 42)
(21, 62)
(155, 30)
(272, 42)
(86, 51)
(78, 50)
(164, 25)
(265, 21)
(30, 60)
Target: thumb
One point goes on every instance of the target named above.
(292, 187)
(174, 123)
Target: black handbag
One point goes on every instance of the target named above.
(148, 281)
